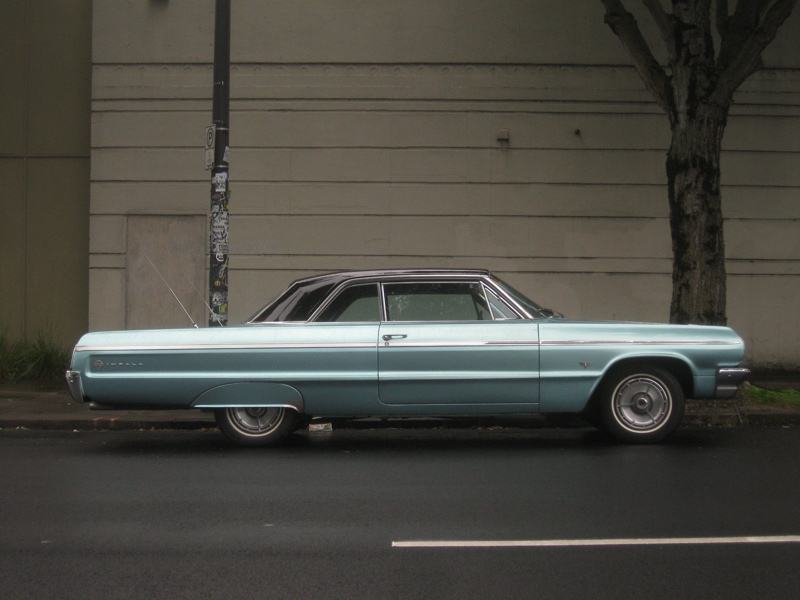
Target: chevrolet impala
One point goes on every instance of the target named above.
(410, 343)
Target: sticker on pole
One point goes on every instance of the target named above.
(220, 181)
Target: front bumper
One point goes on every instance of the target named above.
(729, 380)
(74, 386)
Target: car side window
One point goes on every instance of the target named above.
(358, 303)
(432, 301)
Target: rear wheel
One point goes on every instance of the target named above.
(641, 404)
(257, 425)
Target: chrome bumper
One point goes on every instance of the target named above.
(74, 386)
(729, 380)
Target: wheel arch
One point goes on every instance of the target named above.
(677, 367)
(262, 394)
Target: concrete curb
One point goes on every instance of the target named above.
(24, 408)
(191, 420)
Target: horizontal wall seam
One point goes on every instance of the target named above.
(481, 216)
(443, 148)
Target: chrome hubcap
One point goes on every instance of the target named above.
(255, 420)
(642, 403)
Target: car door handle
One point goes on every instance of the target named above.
(394, 336)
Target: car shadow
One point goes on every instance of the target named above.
(377, 440)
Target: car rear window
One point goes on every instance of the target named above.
(296, 304)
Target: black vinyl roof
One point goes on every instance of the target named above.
(340, 276)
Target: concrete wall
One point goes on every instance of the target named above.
(368, 134)
(44, 166)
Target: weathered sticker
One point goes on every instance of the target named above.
(220, 181)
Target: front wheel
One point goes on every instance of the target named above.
(256, 426)
(641, 404)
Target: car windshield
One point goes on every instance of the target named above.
(534, 309)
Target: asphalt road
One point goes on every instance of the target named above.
(183, 514)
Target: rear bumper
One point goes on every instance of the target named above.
(74, 386)
(729, 380)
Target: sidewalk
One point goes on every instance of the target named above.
(34, 405)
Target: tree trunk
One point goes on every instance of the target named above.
(696, 91)
(693, 172)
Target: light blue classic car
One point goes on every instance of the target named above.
(397, 343)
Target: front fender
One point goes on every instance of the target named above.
(251, 393)
(567, 389)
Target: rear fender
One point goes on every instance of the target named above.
(251, 393)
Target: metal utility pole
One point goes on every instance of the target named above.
(217, 146)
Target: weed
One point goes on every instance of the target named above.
(759, 395)
(40, 358)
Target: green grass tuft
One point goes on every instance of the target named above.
(40, 358)
(759, 395)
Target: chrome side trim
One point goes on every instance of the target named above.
(458, 344)
(280, 346)
(314, 346)
(254, 405)
(566, 343)
(639, 343)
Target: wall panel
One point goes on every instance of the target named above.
(45, 98)
(369, 135)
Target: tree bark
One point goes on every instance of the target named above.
(693, 170)
(695, 201)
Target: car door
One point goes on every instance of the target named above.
(347, 325)
(440, 345)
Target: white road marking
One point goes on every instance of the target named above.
(773, 539)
